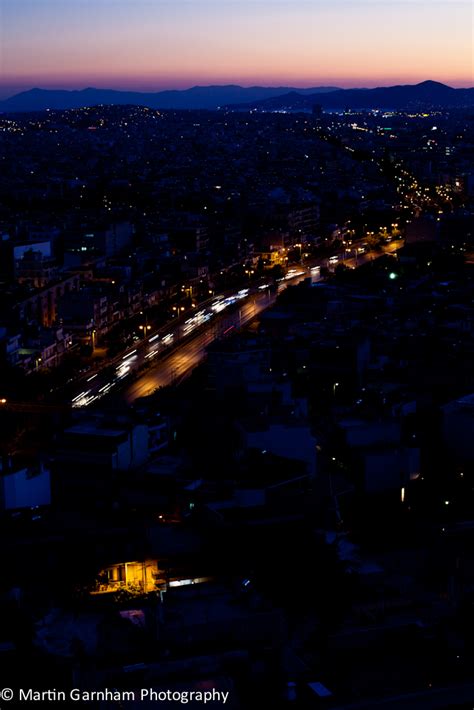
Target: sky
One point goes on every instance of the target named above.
(159, 44)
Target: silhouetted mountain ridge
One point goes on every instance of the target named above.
(427, 94)
(197, 97)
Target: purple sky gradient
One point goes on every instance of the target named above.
(151, 45)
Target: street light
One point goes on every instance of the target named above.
(145, 328)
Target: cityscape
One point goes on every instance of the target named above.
(236, 343)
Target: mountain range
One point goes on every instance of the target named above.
(198, 97)
(427, 94)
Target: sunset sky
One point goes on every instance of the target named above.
(156, 44)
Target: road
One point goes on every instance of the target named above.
(173, 367)
(178, 351)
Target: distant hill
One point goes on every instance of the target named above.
(198, 97)
(428, 94)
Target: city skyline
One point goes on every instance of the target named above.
(236, 343)
(148, 46)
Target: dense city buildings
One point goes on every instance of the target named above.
(236, 404)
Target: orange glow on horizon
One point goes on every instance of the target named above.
(146, 45)
(151, 82)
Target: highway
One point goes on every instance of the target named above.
(175, 366)
(179, 348)
(168, 356)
